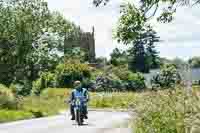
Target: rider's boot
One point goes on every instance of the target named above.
(73, 118)
(86, 113)
(86, 117)
(72, 113)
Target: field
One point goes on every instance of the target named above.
(166, 111)
(52, 101)
(169, 111)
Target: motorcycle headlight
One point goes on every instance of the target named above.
(78, 102)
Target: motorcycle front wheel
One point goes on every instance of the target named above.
(79, 118)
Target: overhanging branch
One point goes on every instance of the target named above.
(154, 12)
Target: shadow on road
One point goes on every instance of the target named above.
(85, 124)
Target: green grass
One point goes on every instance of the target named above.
(116, 100)
(49, 103)
(174, 111)
(13, 115)
(163, 111)
(166, 111)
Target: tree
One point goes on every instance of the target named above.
(164, 61)
(30, 38)
(138, 60)
(150, 7)
(46, 54)
(194, 62)
(168, 77)
(130, 27)
(179, 63)
(142, 38)
(151, 52)
(143, 55)
(118, 57)
(22, 21)
(71, 71)
(76, 53)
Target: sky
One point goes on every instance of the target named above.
(180, 38)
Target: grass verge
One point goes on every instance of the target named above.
(168, 111)
(13, 115)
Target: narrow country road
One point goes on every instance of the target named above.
(98, 122)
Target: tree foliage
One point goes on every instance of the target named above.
(130, 24)
(143, 55)
(168, 77)
(194, 62)
(31, 40)
(118, 57)
(149, 8)
(179, 63)
(134, 30)
(71, 71)
(76, 53)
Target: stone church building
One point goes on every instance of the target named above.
(85, 41)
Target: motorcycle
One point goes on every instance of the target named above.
(78, 110)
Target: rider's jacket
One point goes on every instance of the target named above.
(83, 93)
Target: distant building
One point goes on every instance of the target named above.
(84, 40)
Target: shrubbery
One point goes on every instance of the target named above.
(135, 82)
(46, 80)
(168, 77)
(107, 83)
(130, 81)
(63, 76)
(22, 87)
(118, 79)
(7, 99)
(69, 72)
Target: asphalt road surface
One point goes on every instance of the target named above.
(98, 122)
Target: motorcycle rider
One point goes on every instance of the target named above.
(78, 89)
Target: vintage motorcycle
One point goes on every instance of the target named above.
(78, 110)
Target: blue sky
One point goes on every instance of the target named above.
(181, 38)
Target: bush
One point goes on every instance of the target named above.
(8, 115)
(130, 81)
(89, 84)
(167, 78)
(46, 80)
(119, 79)
(96, 73)
(69, 72)
(56, 92)
(21, 87)
(135, 81)
(107, 83)
(7, 99)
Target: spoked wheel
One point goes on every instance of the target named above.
(79, 119)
